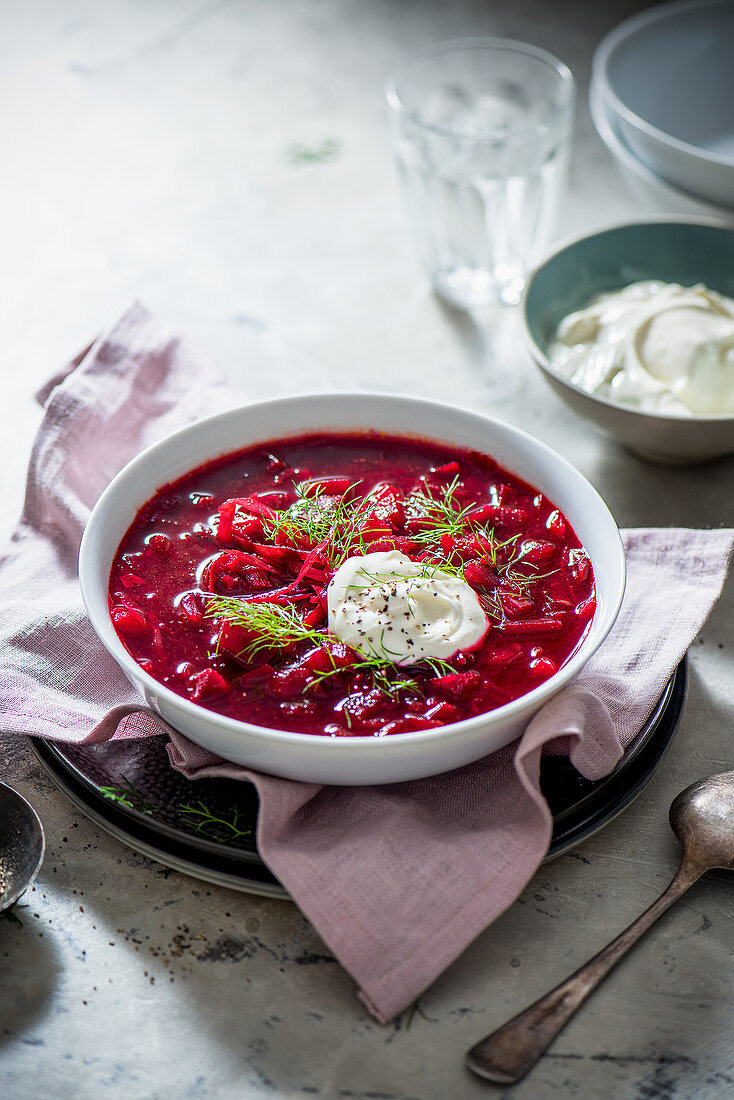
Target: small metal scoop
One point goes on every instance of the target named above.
(22, 845)
(702, 817)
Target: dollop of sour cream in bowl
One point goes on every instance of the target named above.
(388, 605)
(656, 346)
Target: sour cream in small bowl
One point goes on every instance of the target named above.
(633, 327)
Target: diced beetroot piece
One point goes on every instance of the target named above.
(274, 463)
(233, 570)
(387, 505)
(328, 657)
(585, 610)
(457, 685)
(363, 704)
(256, 579)
(502, 655)
(246, 530)
(467, 548)
(383, 546)
(190, 608)
(313, 557)
(129, 620)
(226, 515)
(236, 640)
(578, 566)
(502, 493)
(271, 553)
(254, 678)
(443, 712)
(372, 527)
(499, 515)
(290, 682)
(160, 543)
(208, 682)
(342, 655)
(448, 544)
(548, 625)
(537, 550)
(241, 517)
(130, 580)
(329, 486)
(418, 523)
(147, 666)
(273, 498)
(542, 667)
(479, 576)
(185, 669)
(514, 604)
(417, 704)
(448, 471)
(315, 617)
(556, 525)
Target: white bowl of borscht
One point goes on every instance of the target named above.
(350, 588)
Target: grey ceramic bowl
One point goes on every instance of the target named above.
(653, 196)
(673, 250)
(666, 76)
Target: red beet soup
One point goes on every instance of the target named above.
(220, 588)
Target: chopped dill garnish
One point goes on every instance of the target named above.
(300, 153)
(127, 795)
(201, 819)
(273, 626)
(445, 513)
(315, 518)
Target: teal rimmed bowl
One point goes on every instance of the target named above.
(674, 250)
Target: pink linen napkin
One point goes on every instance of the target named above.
(396, 879)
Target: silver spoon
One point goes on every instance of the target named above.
(22, 845)
(702, 817)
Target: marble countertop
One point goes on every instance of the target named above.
(149, 153)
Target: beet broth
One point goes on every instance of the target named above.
(253, 527)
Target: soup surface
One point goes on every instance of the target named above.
(354, 584)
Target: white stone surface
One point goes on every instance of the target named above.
(145, 154)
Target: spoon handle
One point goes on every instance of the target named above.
(507, 1054)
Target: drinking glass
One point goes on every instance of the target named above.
(482, 130)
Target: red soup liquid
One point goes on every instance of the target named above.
(218, 589)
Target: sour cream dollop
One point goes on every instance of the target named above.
(385, 604)
(657, 346)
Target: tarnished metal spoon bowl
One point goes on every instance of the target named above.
(22, 845)
(702, 817)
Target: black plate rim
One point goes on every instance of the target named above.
(231, 866)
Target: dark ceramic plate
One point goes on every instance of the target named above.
(207, 829)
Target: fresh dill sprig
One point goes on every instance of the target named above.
(385, 676)
(315, 518)
(309, 519)
(272, 625)
(201, 819)
(127, 795)
(446, 515)
(301, 153)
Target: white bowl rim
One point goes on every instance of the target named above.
(512, 45)
(547, 689)
(597, 231)
(599, 65)
(617, 146)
